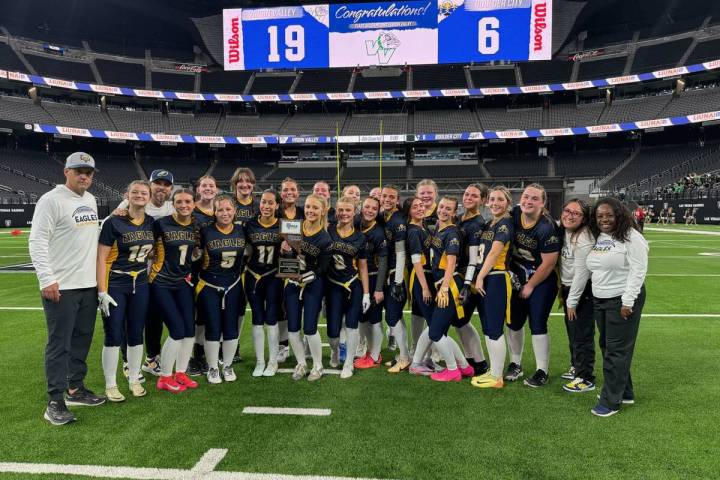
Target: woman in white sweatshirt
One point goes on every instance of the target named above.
(618, 264)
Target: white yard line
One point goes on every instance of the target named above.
(203, 470)
(675, 230)
(313, 412)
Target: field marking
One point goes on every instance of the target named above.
(673, 230)
(203, 469)
(697, 256)
(683, 275)
(313, 412)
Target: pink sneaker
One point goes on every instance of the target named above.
(447, 375)
(468, 371)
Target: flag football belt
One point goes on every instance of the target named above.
(224, 290)
(345, 285)
(411, 282)
(132, 275)
(300, 285)
(455, 294)
(391, 276)
(258, 276)
(186, 278)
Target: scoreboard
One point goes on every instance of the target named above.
(411, 32)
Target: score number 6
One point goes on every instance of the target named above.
(488, 35)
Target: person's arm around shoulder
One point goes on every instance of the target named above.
(581, 274)
(637, 250)
(41, 231)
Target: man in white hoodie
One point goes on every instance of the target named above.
(63, 247)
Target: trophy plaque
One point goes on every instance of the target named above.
(290, 265)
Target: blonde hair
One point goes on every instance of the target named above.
(323, 208)
(137, 182)
(224, 198)
(427, 181)
(508, 196)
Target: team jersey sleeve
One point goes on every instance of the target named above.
(550, 239)
(362, 251)
(382, 248)
(400, 231)
(107, 233)
(414, 242)
(452, 246)
(504, 231)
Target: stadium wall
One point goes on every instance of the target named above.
(19, 216)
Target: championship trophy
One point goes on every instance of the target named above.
(290, 265)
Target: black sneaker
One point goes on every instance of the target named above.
(539, 379)
(57, 413)
(513, 372)
(481, 368)
(193, 368)
(84, 397)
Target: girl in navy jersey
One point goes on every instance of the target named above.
(290, 193)
(171, 290)
(348, 291)
(303, 297)
(243, 183)
(125, 243)
(219, 290)
(493, 284)
(425, 190)
(262, 288)
(535, 251)
(376, 249)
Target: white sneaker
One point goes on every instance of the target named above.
(315, 374)
(334, 357)
(229, 374)
(347, 372)
(300, 372)
(283, 353)
(361, 349)
(213, 376)
(270, 370)
(137, 389)
(259, 369)
(113, 394)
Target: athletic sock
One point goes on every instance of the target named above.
(229, 347)
(258, 336)
(471, 342)
(496, 351)
(343, 333)
(516, 341)
(315, 349)
(212, 352)
(272, 332)
(375, 339)
(400, 333)
(283, 332)
(298, 348)
(168, 355)
(335, 348)
(445, 348)
(541, 348)
(135, 356)
(417, 326)
(183, 355)
(351, 338)
(110, 356)
(422, 347)
(460, 359)
(199, 335)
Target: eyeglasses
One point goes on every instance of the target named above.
(572, 213)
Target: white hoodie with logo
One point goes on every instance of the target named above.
(64, 239)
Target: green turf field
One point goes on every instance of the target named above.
(401, 427)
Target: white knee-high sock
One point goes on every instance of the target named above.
(375, 339)
(399, 331)
(258, 336)
(458, 353)
(516, 341)
(200, 334)
(273, 342)
(343, 333)
(134, 356)
(212, 353)
(445, 349)
(541, 348)
(423, 347)
(351, 337)
(470, 339)
(229, 347)
(168, 355)
(110, 357)
(334, 347)
(316, 349)
(283, 331)
(298, 347)
(496, 351)
(184, 354)
(417, 325)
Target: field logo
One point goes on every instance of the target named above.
(383, 47)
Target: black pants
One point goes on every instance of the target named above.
(153, 330)
(581, 335)
(617, 342)
(70, 324)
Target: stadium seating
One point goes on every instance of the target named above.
(80, 116)
(652, 160)
(589, 164)
(604, 68)
(67, 70)
(313, 124)
(121, 74)
(656, 57)
(645, 108)
(369, 124)
(518, 166)
(469, 170)
(694, 101)
(510, 119)
(184, 169)
(571, 115)
(704, 51)
(225, 167)
(23, 110)
(183, 123)
(390, 174)
(137, 121)
(247, 125)
(332, 80)
(302, 172)
(445, 121)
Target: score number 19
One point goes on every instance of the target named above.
(294, 43)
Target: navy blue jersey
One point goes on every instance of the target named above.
(222, 253)
(395, 231)
(299, 213)
(346, 251)
(130, 242)
(501, 231)
(265, 242)
(418, 243)
(431, 219)
(332, 218)
(313, 247)
(531, 241)
(244, 212)
(376, 245)
(470, 230)
(203, 218)
(174, 243)
(446, 241)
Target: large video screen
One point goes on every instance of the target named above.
(389, 33)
